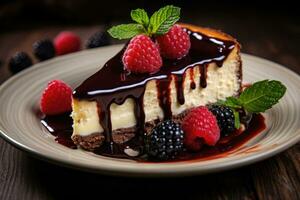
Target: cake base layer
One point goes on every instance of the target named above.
(120, 136)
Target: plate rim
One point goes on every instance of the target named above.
(131, 171)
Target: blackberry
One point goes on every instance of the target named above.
(43, 49)
(98, 39)
(19, 61)
(225, 118)
(165, 141)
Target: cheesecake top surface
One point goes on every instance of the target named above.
(207, 45)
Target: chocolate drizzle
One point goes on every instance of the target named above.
(164, 96)
(61, 127)
(193, 84)
(179, 80)
(203, 75)
(112, 84)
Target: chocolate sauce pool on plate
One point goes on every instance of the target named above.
(61, 128)
(113, 84)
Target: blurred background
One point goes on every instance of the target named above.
(23, 13)
(269, 29)
(16, 14)
(265, 28)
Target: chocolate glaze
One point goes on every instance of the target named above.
(179, 80)
(203, 75)
(164, 96)
(61, 128)
(193, 84)
(113, 84)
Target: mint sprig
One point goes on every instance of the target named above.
(231, 102)
(237, 123)
(262, 95)
(163, 19)
(257, 98)
(159, 23)
(125, 31)
(140, 16)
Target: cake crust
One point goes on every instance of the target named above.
(120, 136)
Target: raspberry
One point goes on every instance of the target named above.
(19, 61)
(56, 98)
(98, 39)
(43, 49)
(200, 127)
(142, 55)
(66, 42)
(175, 44)
(165, 141)
(225, 118)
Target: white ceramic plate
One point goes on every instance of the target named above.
(19, 125)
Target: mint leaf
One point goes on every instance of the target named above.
(125, 31)
(257, 98)
(262, 95)
(163, 19)
(159, 23)
(140, 16)
(236, 119)
(232, 102)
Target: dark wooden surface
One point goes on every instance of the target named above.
(274, 37)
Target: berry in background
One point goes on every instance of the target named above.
(19, 61)
(43, 49)
(98, 39)
(66, 42)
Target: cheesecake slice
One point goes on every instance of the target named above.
(114, 107)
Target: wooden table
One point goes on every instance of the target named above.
(24, 177)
